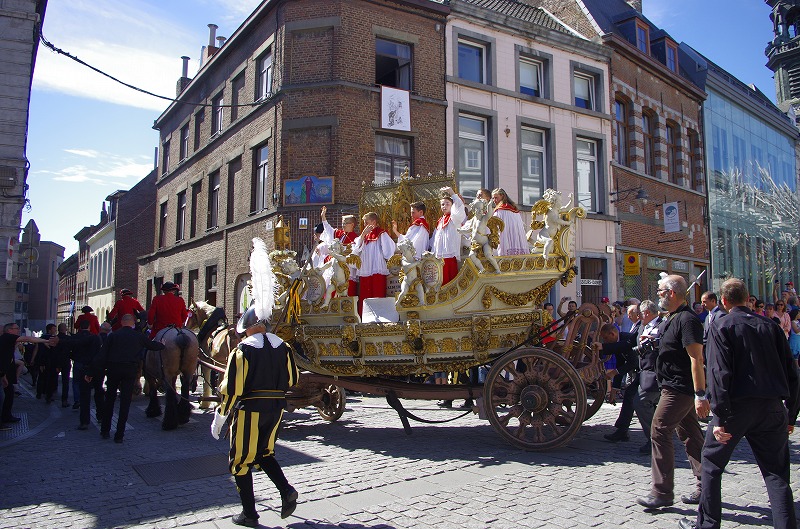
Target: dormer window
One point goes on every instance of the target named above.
(643, 37)
(672, 57)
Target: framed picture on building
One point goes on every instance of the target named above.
(308, 190)
(395, 110)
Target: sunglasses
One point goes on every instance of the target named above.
(759, 306)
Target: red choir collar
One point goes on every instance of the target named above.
(347, 237)
(443, 220)
(374, 235)
(421, 222)
(507, 207)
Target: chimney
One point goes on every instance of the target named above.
(211, 49)
(184, 80)
(221, 41)
(212, 33)
(636, 4)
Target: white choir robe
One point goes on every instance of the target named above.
(512, 238)
(419, 236)
(447, 239)
(374, 254)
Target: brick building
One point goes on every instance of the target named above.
(528, 110)
(294, 92)
(67, 275)
(657, 162)
(43, 291)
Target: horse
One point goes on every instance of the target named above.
(162, 368)
(216, 338)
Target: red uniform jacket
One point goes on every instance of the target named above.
(123, 306)
(94, 323)
(166, 310)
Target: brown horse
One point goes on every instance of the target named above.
(217, 340)
(162, 368)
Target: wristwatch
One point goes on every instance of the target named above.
(700, 395)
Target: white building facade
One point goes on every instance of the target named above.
(529, 110)
(101, 270)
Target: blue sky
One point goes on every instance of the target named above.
(89, 137)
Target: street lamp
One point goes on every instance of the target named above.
(641, 195)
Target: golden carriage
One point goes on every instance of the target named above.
(536, 396)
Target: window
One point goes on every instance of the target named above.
(392, 64)
(110, 266)
(217, 114)
(673, 139)
(694, 148)
(621, 132)
(472, 154)
(184, 147)
(530, 77)
(672, 57)
(587, 174)
(472, 61)
(177, 278)
(180, 225)
(199, 118)
(211, 285)
(649, 144)
(165, 157)
(258, 190)
(234, 168)
(213, 200)
(583, 85)
(162, 226)
(642, 38)
(196, 188)
(533, 164)
(194, 276)
(392, 156)
(264, 81)
(236, 95)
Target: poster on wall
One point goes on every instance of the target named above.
(308, 190)
(672, 220)
(395, 110)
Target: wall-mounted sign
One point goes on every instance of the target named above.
(308, 190)
(672, 218)
(632, 265)
(395, 109)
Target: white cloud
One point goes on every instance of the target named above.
(660, 12)
(105, 170)
(239, 9)
(87, 153)
(138, 44)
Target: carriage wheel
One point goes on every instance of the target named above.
(331, 403)
(542, 396)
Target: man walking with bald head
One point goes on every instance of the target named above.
(119, 359)
(750, 375)
(681, 375)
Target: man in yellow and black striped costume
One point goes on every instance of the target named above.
(259, 372)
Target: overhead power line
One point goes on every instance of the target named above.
(59, 51)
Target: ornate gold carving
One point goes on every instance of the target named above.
(536, 295)
(481, 333)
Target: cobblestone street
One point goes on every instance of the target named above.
(360, 472)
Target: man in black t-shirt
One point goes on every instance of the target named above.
(681, 375)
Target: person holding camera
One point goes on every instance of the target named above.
(647, 352)
(680, 373)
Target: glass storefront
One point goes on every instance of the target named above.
(752, 193)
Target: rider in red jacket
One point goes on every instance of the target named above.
(126, 304)
(167, 309)
(94, 323)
